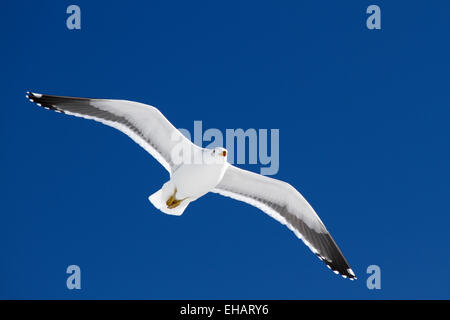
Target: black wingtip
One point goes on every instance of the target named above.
(343, 270)
(30, 96)
(347, 274)
(42, 101)
(350, 274)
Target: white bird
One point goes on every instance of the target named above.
(195, 171)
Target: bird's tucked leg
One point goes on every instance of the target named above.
(171, 199)
(172, 202)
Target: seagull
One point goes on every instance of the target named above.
(195, 171)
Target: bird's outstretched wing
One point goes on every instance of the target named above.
(285, 204)
(145, 124)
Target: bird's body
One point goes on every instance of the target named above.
(196, 180)
(195, 171)
(191, 181)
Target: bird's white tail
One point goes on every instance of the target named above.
(159, 198)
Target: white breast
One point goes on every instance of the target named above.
(195, 180)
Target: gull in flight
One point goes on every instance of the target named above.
(195, 171)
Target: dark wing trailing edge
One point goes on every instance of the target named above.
(285, 204)
(143, 123)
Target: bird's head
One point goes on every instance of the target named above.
(219, 153)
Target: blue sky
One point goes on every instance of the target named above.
(363, 118)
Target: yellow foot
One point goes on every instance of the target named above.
(172, 198)
(174, 204)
